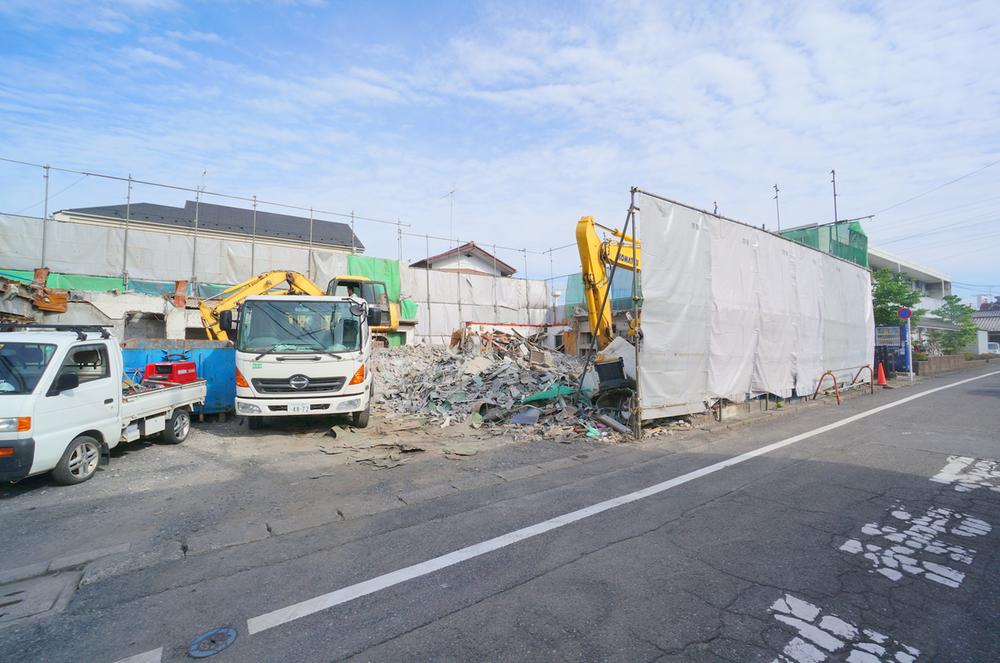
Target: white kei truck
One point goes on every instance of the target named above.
(62, 406)
(303, 355)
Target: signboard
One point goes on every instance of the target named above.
(888, 336)
(904, 313)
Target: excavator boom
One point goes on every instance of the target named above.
(596, 255)
(232, 297)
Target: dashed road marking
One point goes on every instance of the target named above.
(968, 474)
(820, 635)
(151, 656)
(918, 549)
(378, 583)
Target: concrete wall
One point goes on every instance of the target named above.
(936, 365)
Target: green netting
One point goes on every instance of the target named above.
(109, 283)
(621, 292)
(407, 309)
(377, 269)
(844, 240)
(396, 339)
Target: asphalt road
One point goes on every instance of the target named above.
(851, 533)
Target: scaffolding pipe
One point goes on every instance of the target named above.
(128, 217)
(637, 336)
(253, 240)
(45, 213)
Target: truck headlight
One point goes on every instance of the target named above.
(247, 408)
(15, 424)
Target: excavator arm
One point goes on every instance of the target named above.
(596, 255)
(262, 284)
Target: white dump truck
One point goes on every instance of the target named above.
(62, 405)
(302, 355)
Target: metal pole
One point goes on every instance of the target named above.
(128, 217)
(833, 179)
(551, 285)
(909, 350)
(496, 315)
(311, 260)
(253, 240)
(527, 288)
(777, 210)
(399, 239)
(427, 277)
(45, 213)
(635, 317)
(194, 251)
(353, 247)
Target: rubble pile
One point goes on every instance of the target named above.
(494, 380)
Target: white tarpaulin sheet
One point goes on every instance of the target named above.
(729, 309)
(95, 250)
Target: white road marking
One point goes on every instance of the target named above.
(378, 583)
(907, 550)
(968, 474)
(152, 656)
(817, 639)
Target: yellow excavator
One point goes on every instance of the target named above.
(373, 292)
(214, 309)
(596, 256)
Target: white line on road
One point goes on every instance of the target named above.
(152, 656)
(324, 601)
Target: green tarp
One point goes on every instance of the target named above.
(377, 269)
(109, 283)
(845, 240)
(407, 309)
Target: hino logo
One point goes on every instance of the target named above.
(298, 382)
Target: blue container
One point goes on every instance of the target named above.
(216, 362)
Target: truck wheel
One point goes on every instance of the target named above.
(255, 423)
(360, 419)
(177, 428)
(79, 462)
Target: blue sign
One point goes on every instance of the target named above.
(904, 313)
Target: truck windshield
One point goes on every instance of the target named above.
(298, 327)
(22, 365)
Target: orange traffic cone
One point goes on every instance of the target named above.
(881, 376)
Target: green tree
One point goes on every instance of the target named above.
(890, 292)
(960, 315)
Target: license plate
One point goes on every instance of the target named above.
(298, 408)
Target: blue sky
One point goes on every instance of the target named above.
(536, 113)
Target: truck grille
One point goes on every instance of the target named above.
(284, 385)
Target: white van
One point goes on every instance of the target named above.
(62, 408)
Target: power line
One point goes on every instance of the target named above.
(229, 196)
(940, 186)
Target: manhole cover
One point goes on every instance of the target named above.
(212, 642)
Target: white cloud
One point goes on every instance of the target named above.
(539, 117)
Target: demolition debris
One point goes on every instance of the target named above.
(502, 382)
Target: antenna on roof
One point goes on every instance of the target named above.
(451, 213)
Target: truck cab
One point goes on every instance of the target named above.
(304, 355)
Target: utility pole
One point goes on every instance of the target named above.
(833, 179)
(777, 210)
